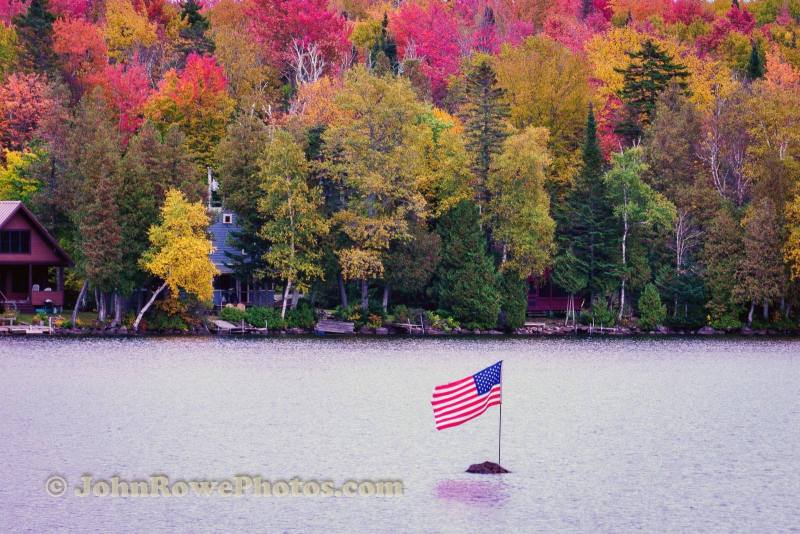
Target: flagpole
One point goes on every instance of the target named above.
(500, 425)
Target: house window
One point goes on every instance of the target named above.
(15, 242)
(227, 218)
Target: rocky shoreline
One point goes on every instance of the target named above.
(546, 330)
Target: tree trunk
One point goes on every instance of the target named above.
(100, 297)
(386, 291)
(77, 307)
(285, 298)
(364, 294)
(295, 298)
(117, 300)
(624, 266)
(765, 311)
(147, 306)
(750, 313)
(342, 290)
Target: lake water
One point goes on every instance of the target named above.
(601, 435)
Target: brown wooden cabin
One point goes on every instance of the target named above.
(31, 261)
(545, 297)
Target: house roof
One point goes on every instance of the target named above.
(220, 232)
(9, 208)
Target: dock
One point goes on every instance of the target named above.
(329, 326)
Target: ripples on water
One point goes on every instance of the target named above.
(608, 435)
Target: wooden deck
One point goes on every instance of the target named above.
(329, 326)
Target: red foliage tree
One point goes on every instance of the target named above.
(69, 8)
(24, 101)
(737, 19)
(10, 9)
(126, 89)
(432, 33)
(81, 47)
(279, 24)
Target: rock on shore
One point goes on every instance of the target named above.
(487, 468)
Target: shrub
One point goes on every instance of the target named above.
(600, 313)
(726, 322)
(401, 313)
(301, 317)
(651, 311)
(261, 317)
(232, 315)
(440, 320)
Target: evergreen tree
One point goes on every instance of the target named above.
(195, 32)
(587, 8)
(513, 300)
(484, 115)
(35, 32)
(755, 65)
(466, 283)
(722, 256)
(587, 222)
(384, 50)
(94, 160)
(651, 311)
(650, 72)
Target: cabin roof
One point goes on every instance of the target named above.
(9, 208)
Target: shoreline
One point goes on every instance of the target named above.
(395, 332)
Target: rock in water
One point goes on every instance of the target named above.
(487, 468)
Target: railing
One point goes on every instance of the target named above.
(40, 298)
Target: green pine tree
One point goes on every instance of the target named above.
(385, 50)
(651, 311)
(587, 229)
(650, 72)
(35, 32)
(484, 116)
(195, 32)
(466, 282)
(513, 300)
(756, 67)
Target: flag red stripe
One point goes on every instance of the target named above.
(455, 390)
(449, 425)
(439, 412)
(467, 391)
(452, 384)
(461, 412)
(458, 401)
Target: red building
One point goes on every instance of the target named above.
(31, 262)
(546, 297)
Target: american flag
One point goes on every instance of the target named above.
(460, 401)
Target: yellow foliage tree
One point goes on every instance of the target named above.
(607, 55)
(127, 28)
(554, 95)
(179, 251)
(519, 209)
(445, 178)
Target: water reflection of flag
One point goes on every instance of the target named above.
(460, 401)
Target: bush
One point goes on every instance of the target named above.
(301, 317)
(600, 313)
(232, 315)
(261, 317)
(514, 301)
(726, 322)
(440, 320)
(401, 313)
(651, 311)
